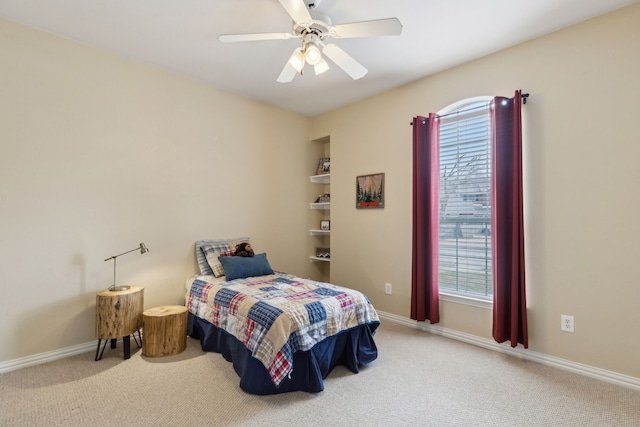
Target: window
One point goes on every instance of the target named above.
(464, 263)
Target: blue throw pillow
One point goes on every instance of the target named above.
(238, 267)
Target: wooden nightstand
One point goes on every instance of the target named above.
(119, 314)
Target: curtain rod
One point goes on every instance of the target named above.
(524, 101)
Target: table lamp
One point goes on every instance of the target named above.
(143, 250)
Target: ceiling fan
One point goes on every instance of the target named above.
(313, 28)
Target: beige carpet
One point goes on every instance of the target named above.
(419, 379)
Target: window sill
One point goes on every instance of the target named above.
(466, 300)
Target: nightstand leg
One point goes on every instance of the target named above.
(113, 342)
(127, 346)
(105, 344)
(139, 344)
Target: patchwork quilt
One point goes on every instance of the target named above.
(279, 314)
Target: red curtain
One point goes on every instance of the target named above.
(507, 224)
(426, 181)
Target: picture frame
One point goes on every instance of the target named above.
(323, 253)
(370, 191)
(325, 225)
(324, 166)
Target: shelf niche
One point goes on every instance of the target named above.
(322, 209)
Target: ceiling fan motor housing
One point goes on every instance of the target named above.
(319, 25)
(316, 26)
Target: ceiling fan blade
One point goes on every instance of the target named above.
(379, 27)
(226, 38)
(298, 11)
(292, 67)
(287, 74)
(343, 60)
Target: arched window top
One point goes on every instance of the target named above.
(466, 104)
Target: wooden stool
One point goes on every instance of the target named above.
(165, 330)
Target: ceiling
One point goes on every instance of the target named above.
(181, 36)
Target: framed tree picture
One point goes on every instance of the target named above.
(370, 191)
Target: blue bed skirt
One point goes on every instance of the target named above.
(350, 348)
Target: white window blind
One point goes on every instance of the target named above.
(465, 202)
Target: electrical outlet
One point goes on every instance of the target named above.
(387, 288)
(566, 323)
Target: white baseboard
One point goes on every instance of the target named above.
(567, 365)
(50, 356)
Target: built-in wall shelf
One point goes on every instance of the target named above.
(321, 179)
(326, 205)
(321, 210)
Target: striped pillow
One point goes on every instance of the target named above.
(205, 269)
(212, 252)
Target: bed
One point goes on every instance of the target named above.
(282, 333)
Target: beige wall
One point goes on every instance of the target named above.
(99, 153)
(582, 143)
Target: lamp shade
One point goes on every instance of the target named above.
(297, 60)
(312, 54)
(321, 66)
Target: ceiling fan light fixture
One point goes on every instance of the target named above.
(321, 67)
(297, 60)
(312, 54)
